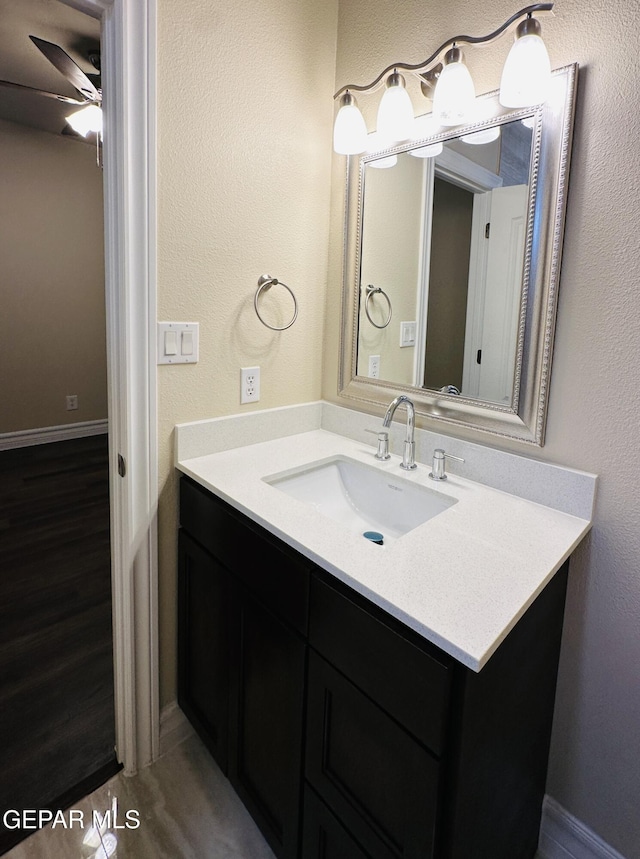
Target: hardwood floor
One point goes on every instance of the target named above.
(56, 672)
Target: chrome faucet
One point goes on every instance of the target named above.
(409, 454)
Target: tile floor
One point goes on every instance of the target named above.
(187, 810)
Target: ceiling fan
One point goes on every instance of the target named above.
(89, 118)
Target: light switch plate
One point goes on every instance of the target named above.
(178, 342)
(407, 334)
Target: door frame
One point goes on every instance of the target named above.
(128, 47)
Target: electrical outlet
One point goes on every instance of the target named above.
(249, 384)
(72, 402)
(374, 366)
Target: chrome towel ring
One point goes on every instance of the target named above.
(265, 281)
(371, 291)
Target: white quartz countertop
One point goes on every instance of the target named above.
(462, 579)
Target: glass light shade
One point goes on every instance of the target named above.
(486, 135)
(381, 163)
(427, 151)
(526, 76)
(349, 131)
(455, 95)
(395, 112)
(86, 119)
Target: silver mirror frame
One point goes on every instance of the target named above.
(547, 206)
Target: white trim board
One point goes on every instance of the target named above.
(562, 836)
(45, 435)
(128, 40)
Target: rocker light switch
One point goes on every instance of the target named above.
(170, 343)
(187, 343)
(178, 342)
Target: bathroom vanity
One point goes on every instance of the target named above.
(339, 684)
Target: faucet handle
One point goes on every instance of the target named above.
(439, 457)
(383, 443)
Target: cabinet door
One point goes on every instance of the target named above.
(323, 836)
(203, 645)
(266, 712)
(381, 783)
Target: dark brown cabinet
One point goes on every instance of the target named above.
(242, 658)
(346, 734)
(266, 721)
(378, 780)
(323, 836)
(203, 648)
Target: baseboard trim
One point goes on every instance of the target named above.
(563, 836)
(174, 727)
(45, 435)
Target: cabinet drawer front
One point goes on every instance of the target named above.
(324, 837)
(411, 685)
(377, 779)
(278, 577)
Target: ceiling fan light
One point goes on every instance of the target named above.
(526, 76)
(86, 120)
(455, 94)
(395, 112)
(349, 130)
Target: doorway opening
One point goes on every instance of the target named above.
(57, 701)
(128, 51)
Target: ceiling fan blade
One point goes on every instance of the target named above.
(67, 67)
(23, 88)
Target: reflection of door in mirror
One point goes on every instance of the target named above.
(472, 315)
(493, 305)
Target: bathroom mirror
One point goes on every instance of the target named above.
(452, 256)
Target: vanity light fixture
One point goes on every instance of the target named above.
(454, 95)
(395, 112)
(526, 76)
(485, 135)
(349, 131)
(429, 151)
(445, 78)
(383, 163)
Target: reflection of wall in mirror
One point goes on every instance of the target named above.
(392, 219)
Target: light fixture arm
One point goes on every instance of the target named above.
(536, 8)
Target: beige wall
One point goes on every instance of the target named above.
(52, 316)
(245, 122)
(595, 388)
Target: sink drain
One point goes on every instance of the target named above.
(375, 537)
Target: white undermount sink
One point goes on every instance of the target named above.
(363, 498)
